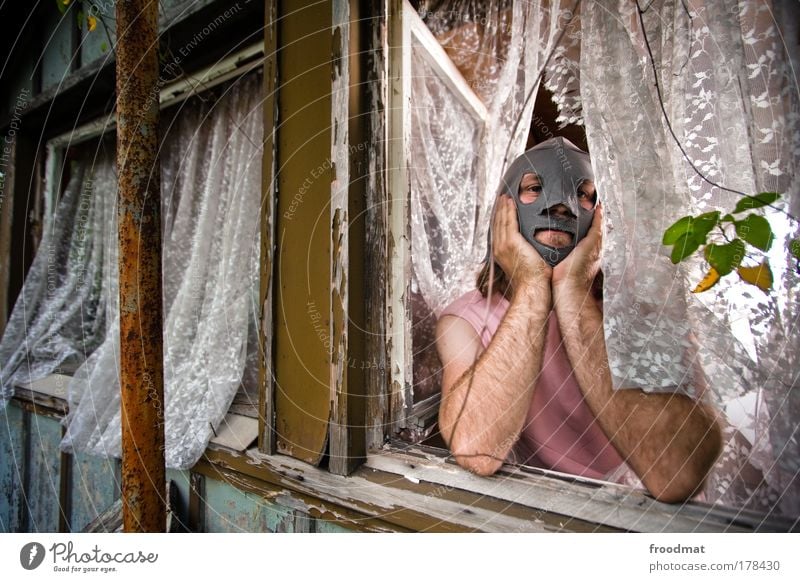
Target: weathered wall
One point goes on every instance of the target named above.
(34, 475)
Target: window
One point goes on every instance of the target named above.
(65, 320)
(418, 76)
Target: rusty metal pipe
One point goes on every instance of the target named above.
(140, 303)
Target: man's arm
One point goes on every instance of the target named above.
(486, 395)
(670, 440)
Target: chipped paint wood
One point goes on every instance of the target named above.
(197, 496)
(347, 448)
(231, 510)
(295, 520)
(40, 403)
(140, 294)
(398, 324)
(339, 221)
(378, 496)
(43, 483)
(241, 472)
(267, 442)
(419, 491)
(93, 487)
(13, 460)
(377, 216)
(608, 504)
(110, 520)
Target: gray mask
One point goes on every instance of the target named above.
(561, 167)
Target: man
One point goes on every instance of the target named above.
(525, 373)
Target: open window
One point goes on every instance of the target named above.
(443, 152)
(439, 123)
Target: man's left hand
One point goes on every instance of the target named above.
(583, 263)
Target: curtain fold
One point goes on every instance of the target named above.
(732, 102)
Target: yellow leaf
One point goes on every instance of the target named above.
(91, 22)
(760, 276)
(708, 281)
(65, 2)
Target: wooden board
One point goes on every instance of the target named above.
(305, 175)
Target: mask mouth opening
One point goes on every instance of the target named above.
(557, 234)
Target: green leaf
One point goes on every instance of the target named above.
(725, 258)
(80, 18)
(756, 201)
(755, 230)
(62, 8)
(103, 47)
(675, 231)
(794, 248)
(703, 224)
(686, 244)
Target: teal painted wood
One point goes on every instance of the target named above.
(12, 459)
(95, 486)
(45, 473)
(322, 526)
(180, 479)
(57, 53)
(228, 509)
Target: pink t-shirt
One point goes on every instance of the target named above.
(560, 431)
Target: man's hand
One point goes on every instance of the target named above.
(583, 263)
(519, 260)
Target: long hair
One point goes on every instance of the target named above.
(500, 284)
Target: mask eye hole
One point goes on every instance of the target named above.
(530, 188)
(587, 195)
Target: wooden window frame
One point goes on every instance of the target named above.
(407, 29)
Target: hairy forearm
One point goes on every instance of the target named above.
(670, 440)
(484, 412)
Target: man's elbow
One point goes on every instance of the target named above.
(481, 465)
(689, 480)
(466, 457)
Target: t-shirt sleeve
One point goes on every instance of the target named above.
(464, 307)
(471, 307)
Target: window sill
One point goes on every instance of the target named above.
(416, 488)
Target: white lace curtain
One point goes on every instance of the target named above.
(67, 312)
(731, 96)
(732, 101)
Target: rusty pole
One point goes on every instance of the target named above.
(140, 305)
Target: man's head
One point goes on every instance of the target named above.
(552, 185)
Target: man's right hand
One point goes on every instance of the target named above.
(523, 265)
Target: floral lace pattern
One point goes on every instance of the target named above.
(729, 98)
